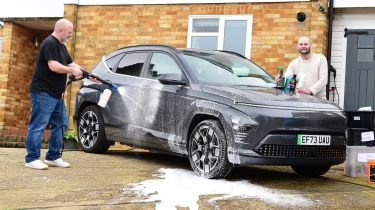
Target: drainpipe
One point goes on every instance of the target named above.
(329, 46)
(74, 39)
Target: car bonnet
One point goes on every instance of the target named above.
(268, 97)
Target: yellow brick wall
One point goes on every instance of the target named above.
(5, 33)
(101, 29)
(16, 68)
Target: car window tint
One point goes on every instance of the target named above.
(131, 64)
(111, 62)
(161, 64)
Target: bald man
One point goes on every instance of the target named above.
(46, 90)
(311, 70)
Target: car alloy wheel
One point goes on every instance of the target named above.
(208, 150)
(91, 131)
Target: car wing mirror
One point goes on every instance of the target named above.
(171, 79)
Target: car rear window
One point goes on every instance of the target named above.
(132, 64)
(112, 61)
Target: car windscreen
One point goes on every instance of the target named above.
(225, 68)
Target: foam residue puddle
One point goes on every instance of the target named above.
(178, 187)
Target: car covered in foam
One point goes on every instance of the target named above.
(217, 108)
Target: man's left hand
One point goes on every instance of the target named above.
(93, 79)
(304, 91)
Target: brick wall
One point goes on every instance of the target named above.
(5, 33)
(101, 29)
(16, 69)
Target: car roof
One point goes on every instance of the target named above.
(171, 49)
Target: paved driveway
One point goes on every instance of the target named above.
(137, 179)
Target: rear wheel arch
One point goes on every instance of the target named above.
(83, 106)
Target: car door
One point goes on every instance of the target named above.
(127, 110)
(161, 122)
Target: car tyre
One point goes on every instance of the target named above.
(311, 170)
(208, 150)
(91, 133)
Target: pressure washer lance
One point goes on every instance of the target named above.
(106, 94)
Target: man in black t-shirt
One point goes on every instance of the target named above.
(46, 90)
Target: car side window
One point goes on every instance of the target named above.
(111, 62)
(162, 63)
(132, 64)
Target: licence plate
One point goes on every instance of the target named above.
(314, 139)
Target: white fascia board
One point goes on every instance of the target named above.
(34, 8)
(119, 2)
(352, 3)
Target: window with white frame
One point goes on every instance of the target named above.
(221, 32)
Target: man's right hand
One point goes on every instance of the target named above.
(277, 78)
(77, 72)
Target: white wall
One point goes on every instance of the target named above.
(31, 8)
(353, 3)
(353, 18)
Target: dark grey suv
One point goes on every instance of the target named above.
(217, 108)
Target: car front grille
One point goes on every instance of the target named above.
(275, 150)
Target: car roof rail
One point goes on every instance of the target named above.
(233, 53)
(150, 45)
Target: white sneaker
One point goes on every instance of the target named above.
(36, 164)
(58, 162)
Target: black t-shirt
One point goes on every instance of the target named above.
(44, 79)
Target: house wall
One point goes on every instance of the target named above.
(351, 18)
(101, 29)
(16, 68)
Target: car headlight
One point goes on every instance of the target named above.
(242, 128)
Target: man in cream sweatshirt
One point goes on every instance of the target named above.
(311, 70)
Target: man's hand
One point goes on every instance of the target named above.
(304, 91)
(77, 72)
(277, 78)
(93, 79)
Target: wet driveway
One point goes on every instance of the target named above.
(124, 178)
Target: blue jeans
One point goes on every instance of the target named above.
(45, 110)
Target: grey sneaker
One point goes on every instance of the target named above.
(58, 162)
(36, 164)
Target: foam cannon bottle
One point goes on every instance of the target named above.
(106, 94)
(104, 97)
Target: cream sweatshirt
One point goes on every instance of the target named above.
(311, 73)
